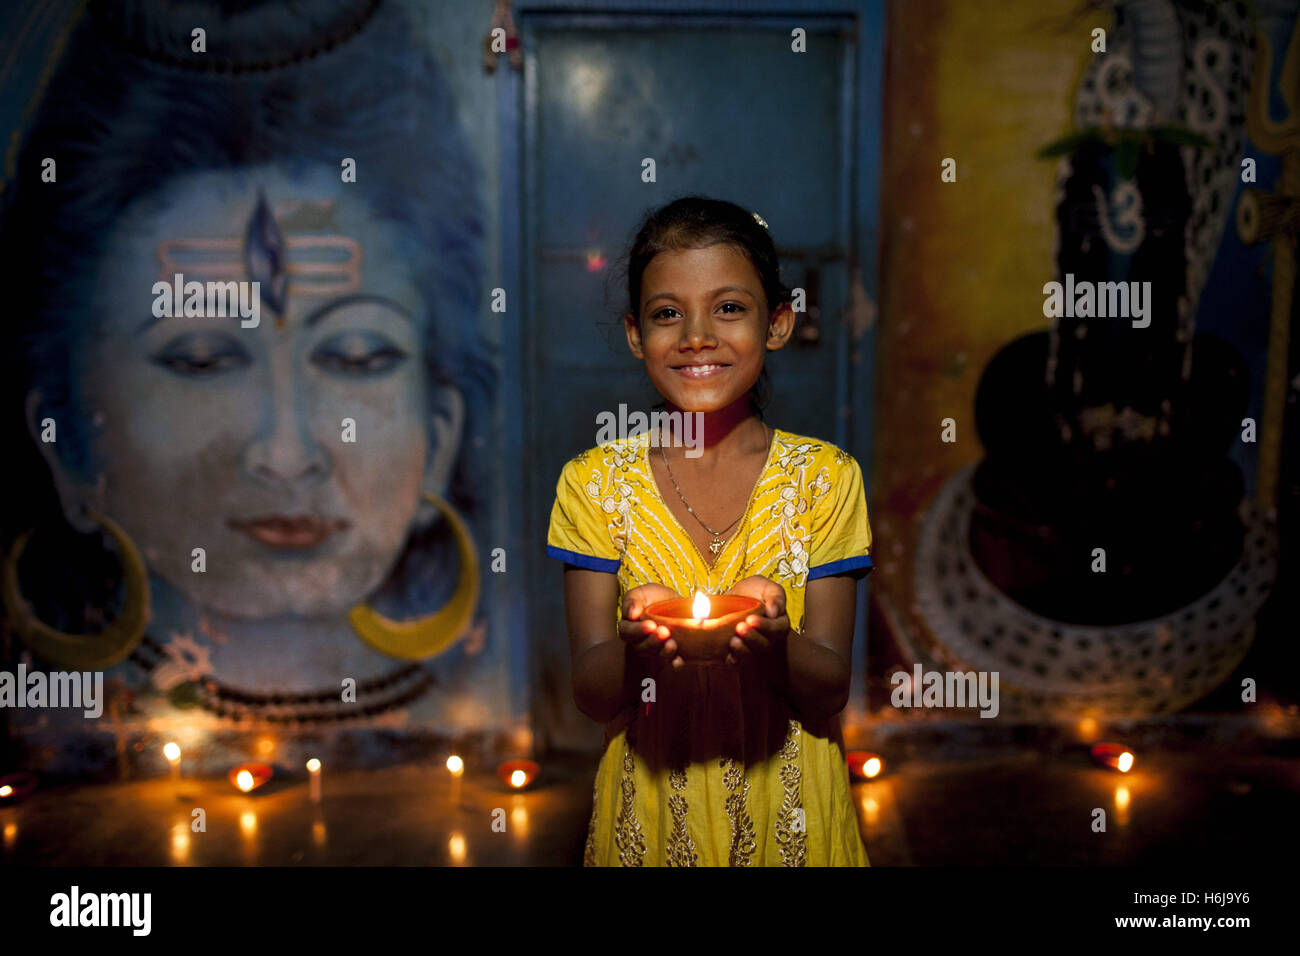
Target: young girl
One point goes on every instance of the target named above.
(737, 761)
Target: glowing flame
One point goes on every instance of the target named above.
(1125, 762)
(172, 751)
(6, 790)
(871, 767)
(700, 606)
(518, 778)
(455, 764)
(244, 781)
(313, 765)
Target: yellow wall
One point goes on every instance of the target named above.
(962, 264)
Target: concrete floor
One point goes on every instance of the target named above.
(1017, 806)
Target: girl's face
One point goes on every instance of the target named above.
(294, 452)
(704, 327)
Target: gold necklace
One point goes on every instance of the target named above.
(715, 548)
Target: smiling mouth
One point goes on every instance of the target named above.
(701, 371)
(289, 532)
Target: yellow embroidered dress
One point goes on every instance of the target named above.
(719, 770)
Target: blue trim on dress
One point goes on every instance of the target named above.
(859, 563)
(587, 561)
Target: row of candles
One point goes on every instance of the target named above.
(864, 765)
(517, 774)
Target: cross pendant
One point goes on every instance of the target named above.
(716, 546)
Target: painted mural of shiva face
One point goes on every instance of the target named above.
(234, 439)
(331, 458)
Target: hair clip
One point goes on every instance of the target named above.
(759, 219)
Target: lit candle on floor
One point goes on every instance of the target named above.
(313, 769)
(16, 787)
(172, 751)
(1113, 757)
(456, 767)
(247, 777)
(518, 774)
(864, 765)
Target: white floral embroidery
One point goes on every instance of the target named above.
(820, 485)
(794, 562)
(613, 495)
(797, 456)
(796, 500)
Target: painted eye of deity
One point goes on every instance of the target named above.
(202, 354)
(358, 353)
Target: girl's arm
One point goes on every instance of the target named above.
(598, 655)
(604, 657)
(816, 674)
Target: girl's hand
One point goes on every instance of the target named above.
(646, 638)
(759, 638)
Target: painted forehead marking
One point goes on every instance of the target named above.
(325, 265)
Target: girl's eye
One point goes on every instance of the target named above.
(201, 355)
(735, 309)
(357, 354)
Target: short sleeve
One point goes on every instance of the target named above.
(578, 534)
(841, 535)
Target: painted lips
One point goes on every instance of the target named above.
(290, 533)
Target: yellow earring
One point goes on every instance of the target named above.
(424, 637)
(84, 652)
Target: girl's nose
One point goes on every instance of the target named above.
(697, 332)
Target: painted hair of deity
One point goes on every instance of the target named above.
(299, 85)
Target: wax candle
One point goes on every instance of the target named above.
(456, 767)
(172, 751)
(313, 768)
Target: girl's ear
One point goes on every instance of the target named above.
(780, 327)
(633, 331)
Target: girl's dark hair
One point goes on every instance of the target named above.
(695, 222)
